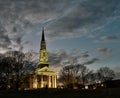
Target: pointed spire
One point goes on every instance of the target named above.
(43, 43)
(43, 37)
(43, 58)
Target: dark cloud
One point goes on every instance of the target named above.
(104, 50)
(18, 18)
(83, 18)
(57, 57)
(91, 61)
(85, 55)
(64, 18)
(61, 58)
(4, 39)
(108, 38)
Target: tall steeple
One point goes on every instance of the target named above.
(43, 57)
(43, 36)
(43, 43)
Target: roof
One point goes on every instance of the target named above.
(43, 71)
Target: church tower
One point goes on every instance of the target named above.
(42, 76)
(43, 56)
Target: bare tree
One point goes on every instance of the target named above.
(91, 77)
(6, 70)
(84, 73)
(105, 74)
(12, 68)
(14, 65)
(18, 67)
(74, 74)
(68, 75)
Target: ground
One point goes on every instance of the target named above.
(62, 93)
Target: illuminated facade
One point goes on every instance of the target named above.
(43, 76)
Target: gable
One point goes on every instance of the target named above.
(45, 71)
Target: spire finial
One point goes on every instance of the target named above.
(43, 37)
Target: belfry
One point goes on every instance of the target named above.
(43, 76)
(43, 58)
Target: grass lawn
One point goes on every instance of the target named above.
(62, 93)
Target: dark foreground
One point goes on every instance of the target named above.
(62, 93)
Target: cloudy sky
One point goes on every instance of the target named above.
(77, 31)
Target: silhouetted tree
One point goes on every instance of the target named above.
(84, 74)
(6, 70)
(14, 65)
(105, 74)
(74, 74)
(91, 77)
(67, 75)
(11, 66)
(18, 67)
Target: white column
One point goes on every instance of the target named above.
(49, 84)
(41, 81)
(35, 82)
(55, 81)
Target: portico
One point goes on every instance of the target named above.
(42, 78)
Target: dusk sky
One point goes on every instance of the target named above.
(76, 31)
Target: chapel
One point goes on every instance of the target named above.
(43, 76)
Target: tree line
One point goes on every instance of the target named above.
(14, 67)
(80, 74)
